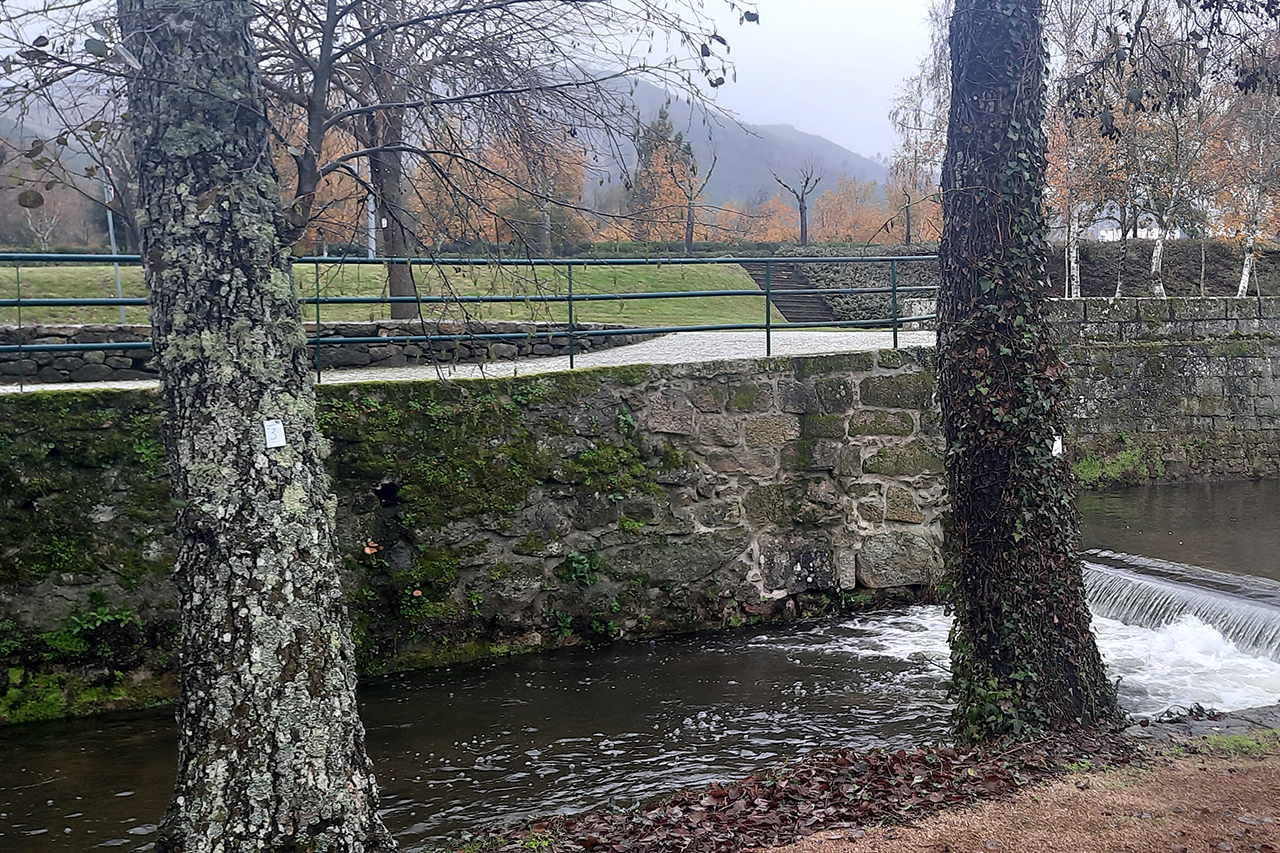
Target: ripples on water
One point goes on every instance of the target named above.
(576, 730)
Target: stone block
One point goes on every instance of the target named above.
(849, 463)
(897, 558)
(679, 560)
(818, 365)
(1247, 309)
(835, 395)
(119, 362)
(68, 362)
(1064, 311)
(1108, 310)
(344, 356)
(796, 565)
(871, 511)
(708, 399)
(717, 514)
(94, 357)
(721, 431)
(797, 398)
(881, 423)
(908, 460)
(899, 391)
(814, 501)
(749, 397)
(771, 430)
(825, 455)
(756, 463)
(672, 414)
(1213, 328)
(1101, 331)
(92, 373)
(26, 367)
(900, 505)
(765, 504)
(1154, 313)
(51, 374)
(823, 426)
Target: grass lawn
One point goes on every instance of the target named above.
(77, 281)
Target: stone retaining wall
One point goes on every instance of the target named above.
(1171, 390)
(482, 517)
(479, 517)
(108, 364)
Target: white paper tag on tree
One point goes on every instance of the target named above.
(1058, 448)
(275, 433)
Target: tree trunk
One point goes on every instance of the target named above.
(689, 215)
(271, 748)
(386, 176)
(1124, 256)
(1023, 654)
(907, 238)
(1203, 240)
(1073, 253)
(1246, 270)
(1157, 265)
(804, 223)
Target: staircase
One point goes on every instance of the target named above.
(795, 307)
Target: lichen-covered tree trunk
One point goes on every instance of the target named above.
(1023, 655)
(271, 748)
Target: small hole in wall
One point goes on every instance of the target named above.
(387, 494)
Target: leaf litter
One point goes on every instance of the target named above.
(839, 793)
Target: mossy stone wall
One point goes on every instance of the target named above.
(486, 517)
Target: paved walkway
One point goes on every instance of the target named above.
(678, 348)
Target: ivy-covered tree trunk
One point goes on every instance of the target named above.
(1023, 655)
(271, 748)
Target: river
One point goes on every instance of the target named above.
(469, 746)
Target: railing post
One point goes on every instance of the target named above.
(319, 367)
(768, 308)
(571, 340)
(893, 287)
(22, 359)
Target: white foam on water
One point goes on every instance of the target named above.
(1179, 664)
(1183, 662)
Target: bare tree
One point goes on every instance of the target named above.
(683, 168)
(808, 175)
(436, 81)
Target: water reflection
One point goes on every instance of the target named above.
(1231, 527)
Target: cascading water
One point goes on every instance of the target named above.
(1154, 594)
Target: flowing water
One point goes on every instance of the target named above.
(461, 748)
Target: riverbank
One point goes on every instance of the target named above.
(1167, 787)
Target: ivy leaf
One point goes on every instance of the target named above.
(96, 47)
(30, 199)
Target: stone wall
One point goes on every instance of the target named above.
(108, 364)
(1171, 390)
(481, 517)
(484, 517)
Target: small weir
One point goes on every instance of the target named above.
(1153, 593)
(457, 750)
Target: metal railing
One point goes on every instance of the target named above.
(573, 331)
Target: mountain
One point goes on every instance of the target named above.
(746, 153)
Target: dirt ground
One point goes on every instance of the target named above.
(1189, 804)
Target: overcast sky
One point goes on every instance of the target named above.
(828, 67)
